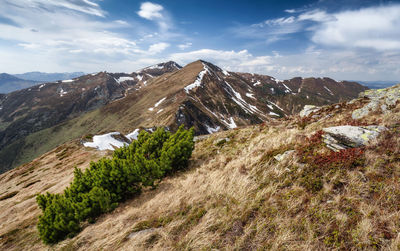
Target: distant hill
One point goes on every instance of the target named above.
(48, 77)
(15, 82)
(10, 83)
(378, 84)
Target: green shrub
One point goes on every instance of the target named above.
(58, 219)
(107, 182)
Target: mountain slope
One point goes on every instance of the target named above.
(236, 194)
(200, 95)
(24, 112)
(10, 83)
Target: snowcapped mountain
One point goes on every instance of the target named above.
(202, 95)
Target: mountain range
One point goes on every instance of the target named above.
(10, 83)
(323, 180)
(200, 95)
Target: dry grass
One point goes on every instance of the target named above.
(235, 196)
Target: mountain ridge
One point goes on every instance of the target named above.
(200, 94)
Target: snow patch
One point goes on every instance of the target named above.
(330, 92)
(211, 129)
(250, 95)
(105, 142)
(122, 79)
(197, 82)
(276, 106)
(277, 80)
(62, 92)
(231, 124)
(257, 83)
(288, 90)
(241, 102)
(41, 86)
(160, 111)
(67, 81)
(225, 73)
(139, 77)
(274, 114)
(133, 135)
(157, 104)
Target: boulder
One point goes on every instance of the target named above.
(342, 137)
(308, 109)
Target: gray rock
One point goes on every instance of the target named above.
(308, 109)
(385, 99)
(342, 137)
(364, 111)
(282, 156)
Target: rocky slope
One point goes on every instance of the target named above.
(275, 185)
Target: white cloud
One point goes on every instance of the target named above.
(316, 15)
(55, 35)
(281, 21)
(158, 47)
(184, 46)
(230, 60)
(372, 28)
(150, 11)
(156, 12)
(83, 6)
(290, 11)
(312, 62)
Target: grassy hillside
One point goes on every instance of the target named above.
(236, 195)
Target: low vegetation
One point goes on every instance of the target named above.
(110, 181)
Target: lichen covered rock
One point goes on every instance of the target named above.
(342, 137)
(381, 99)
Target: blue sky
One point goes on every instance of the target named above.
(350, 39)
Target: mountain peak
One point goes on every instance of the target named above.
(164, 65)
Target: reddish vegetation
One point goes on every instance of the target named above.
(347, 158)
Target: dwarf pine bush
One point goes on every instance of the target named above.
(107, 182)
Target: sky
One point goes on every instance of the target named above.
(340, 39)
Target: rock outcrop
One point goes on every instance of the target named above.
(381, 99)
(342, 137)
